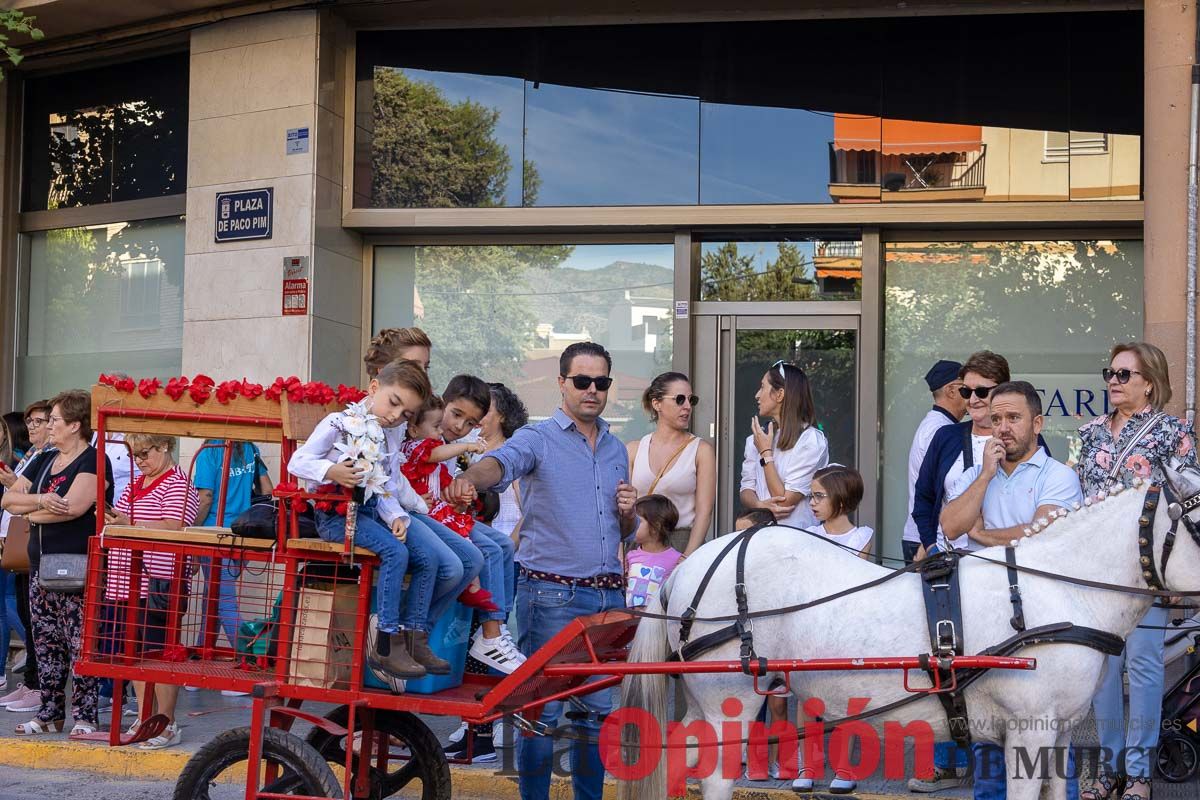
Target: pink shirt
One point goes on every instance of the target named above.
(645, 573)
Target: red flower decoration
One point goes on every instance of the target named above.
(275, 390)
(200, 392)
(349, 394)
(176, 387)
(317, 393)
(250, 390)
(227, 390)
(106, 380)
(125, 385)
(203, 380)
(148, 387)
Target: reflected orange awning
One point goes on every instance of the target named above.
(903, 137)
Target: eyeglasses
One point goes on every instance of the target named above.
(35, 422)
(53, 419)
(981, 392)
(582, 382)
(144, 454)
(1122, 375)
(819, 496)
(680, 399)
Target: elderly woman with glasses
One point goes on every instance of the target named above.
(163, 498)
(780, 459)
(1135, 440)
(671, 461)
(57, 494)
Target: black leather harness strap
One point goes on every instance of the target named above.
(943, 612)
(1014, 589)
(689, 614)
(1146, 539)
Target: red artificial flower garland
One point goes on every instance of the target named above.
(201, 388)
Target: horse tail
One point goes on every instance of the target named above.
(649, 693)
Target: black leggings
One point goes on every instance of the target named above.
(31, 668)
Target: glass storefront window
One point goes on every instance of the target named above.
(742, 113)
(1052, 308)
(506, 313)
(120, 134)
(600, 147)
(801, 268)
(101, 299)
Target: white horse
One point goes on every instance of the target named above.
(784, 567)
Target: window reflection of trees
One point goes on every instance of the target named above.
(115, 152)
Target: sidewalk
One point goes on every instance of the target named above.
(203, 715)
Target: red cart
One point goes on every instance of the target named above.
(305, 606)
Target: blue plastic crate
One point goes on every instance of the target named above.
(449, 639)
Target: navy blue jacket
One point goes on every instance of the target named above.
(930, 491)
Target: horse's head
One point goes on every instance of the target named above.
(1180, 509)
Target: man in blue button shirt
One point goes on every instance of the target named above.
(995, 502)
(578, 507)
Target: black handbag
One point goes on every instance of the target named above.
(259, 521)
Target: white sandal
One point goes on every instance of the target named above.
(35, 727)
(82, 729)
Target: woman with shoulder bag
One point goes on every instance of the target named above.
(27, 696)
(57, 494)
(1134, 441)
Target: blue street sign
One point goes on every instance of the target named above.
(244, 215)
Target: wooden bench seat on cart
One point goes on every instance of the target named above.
(226, 538)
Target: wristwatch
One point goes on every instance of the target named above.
(764, 461)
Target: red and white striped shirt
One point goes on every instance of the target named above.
(170, 496)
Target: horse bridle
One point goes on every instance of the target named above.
(1178, 509)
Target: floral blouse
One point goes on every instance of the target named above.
(1170, 437)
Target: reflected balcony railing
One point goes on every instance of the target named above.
(864, 175)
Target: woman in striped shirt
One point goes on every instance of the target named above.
(161, 497)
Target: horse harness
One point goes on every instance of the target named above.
(943, 608)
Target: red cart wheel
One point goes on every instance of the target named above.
(303, 771)
(414, 753)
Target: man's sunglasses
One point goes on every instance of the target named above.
(680, 399)
(981, 392)
(1122, 375)
(582, 382)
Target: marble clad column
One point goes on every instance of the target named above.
(251, 80)
(1170, 29)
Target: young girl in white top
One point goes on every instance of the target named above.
(835, 494)
(780, 461)
(399, 391)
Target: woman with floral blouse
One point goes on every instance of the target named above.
(1134, 441)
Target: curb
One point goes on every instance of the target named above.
(164, 765)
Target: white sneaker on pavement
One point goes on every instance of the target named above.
(30, 700)
(16, 694)
(458, 734)
(499, 653)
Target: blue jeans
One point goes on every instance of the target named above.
(443, 566)
(947, 755)
(393, 555)
(499, 570)
(1128, 749)
(543, 610)
(9, 619)
(227, 599)
(453, 548)
(991, 774)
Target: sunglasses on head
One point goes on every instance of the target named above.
(780, 364)
(680, 399)
(981, 392)
(1122, 375)
(582, 382)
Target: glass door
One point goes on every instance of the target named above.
(825, 347)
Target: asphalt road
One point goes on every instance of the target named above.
(22, 784)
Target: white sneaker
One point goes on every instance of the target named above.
(458, 735)
(168, 738)
(499, 653)
(31, 700)
(17, 693)
(191, 689)
(232, 693)
(506, 634)
(500, 734)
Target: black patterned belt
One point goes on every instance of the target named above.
(608, 580)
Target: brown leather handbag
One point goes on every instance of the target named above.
(15, 555)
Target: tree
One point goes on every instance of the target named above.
(16, 22)
(726, 274)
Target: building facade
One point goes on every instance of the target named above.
(859, 189)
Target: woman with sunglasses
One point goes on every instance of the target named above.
(1133, 441)
(780, 460)
(672, 462)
